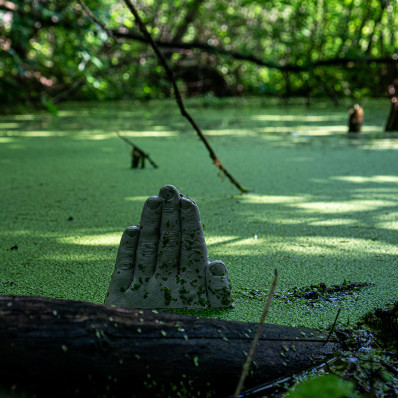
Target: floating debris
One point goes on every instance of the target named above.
(313, 293)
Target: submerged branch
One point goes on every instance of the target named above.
(249, 360)
(96, 20)
(137, 151)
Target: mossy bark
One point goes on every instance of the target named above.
(56, 347)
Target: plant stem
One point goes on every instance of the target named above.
(334, 325)
(249, 359)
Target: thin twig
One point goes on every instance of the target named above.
(96, 20)
(89, 13)
(170, 75)
(249, 359)
(184, 112)
(334, 325)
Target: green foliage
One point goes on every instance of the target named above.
(329, 386)
(384, 321)
(314, 48)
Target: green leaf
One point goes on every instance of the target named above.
(329, 386)
(97, 62)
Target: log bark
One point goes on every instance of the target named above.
(64, 348)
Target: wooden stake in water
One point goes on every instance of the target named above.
(249, 359)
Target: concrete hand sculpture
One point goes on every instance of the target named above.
(163, 262)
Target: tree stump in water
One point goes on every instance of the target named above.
(356, 119)
(61, 347)
(392, 121)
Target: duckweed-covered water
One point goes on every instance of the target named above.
(322, 207)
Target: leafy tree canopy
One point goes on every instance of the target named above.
(51, 50)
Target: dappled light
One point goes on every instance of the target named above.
(152, 133)
(321, 207)
(6, 139)
(139, 199)
(161, 119)
(40, 133)
(10, 125)
(364, 180)
(253, 198)
(332, 222)
(278, 120)
(351, 206)
(221, 240)
(93, 240)
(296, 118)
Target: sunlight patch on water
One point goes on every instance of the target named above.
(320, 245)
(392, 225)
(109, 239)
(234, 132)
(252, 241)
(9, 125)
(214, 240)
(352, 206)
(296, 117)
(95, 135)
(291, 221)
(308, 246)
(363, 180)
(92, 136)
(301, 131)
(39, 133)
(149, 133)
(321, 130)
(380, 144)
(388, 221)
(260, 199)
(136, 199)
(277, 129)
(372, 128)
(333, 222)
(26, 117)
(6, 139)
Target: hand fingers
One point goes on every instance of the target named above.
(147, 247)
(193, 246)
(125, 261)
(170, 232)
(218, 286)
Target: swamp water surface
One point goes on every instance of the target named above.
(322, 208)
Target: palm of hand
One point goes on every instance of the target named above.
(163, 263)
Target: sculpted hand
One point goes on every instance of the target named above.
(163, 262)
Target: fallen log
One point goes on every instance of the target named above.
(63, 347)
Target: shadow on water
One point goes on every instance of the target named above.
(322, 206)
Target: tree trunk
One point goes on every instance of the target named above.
(356, 119)
(392, 122)
(65, 348)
